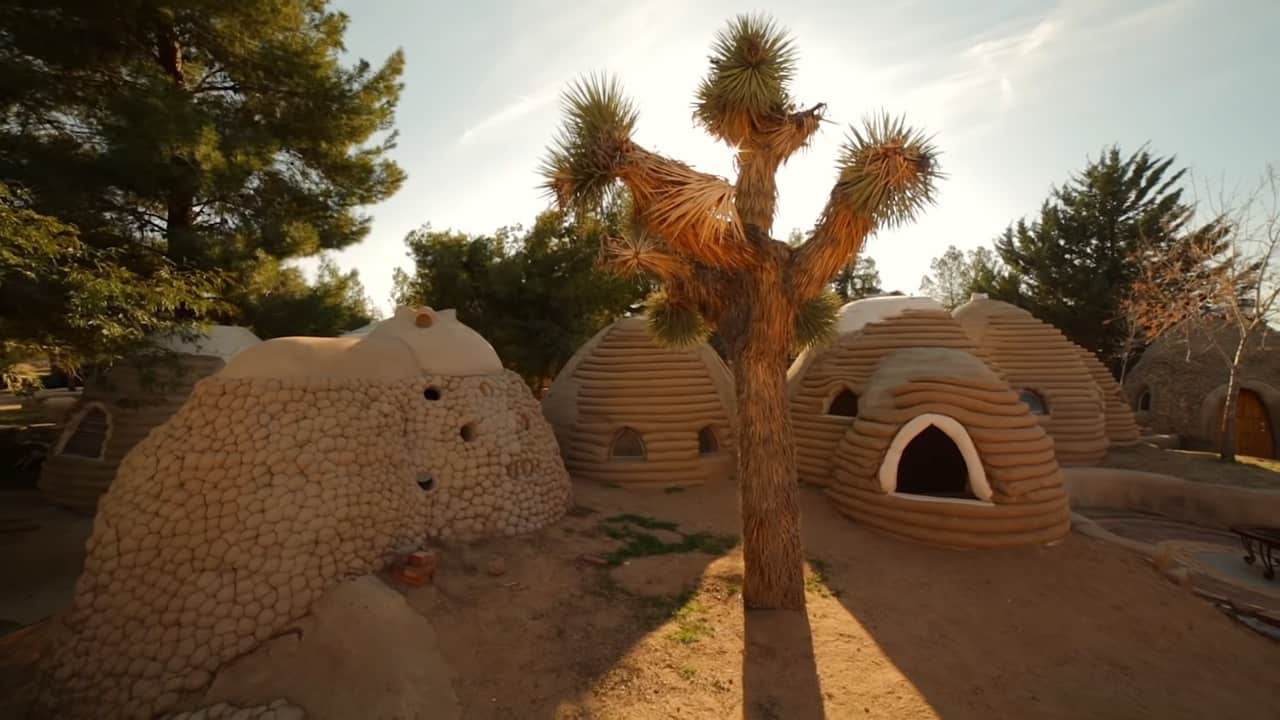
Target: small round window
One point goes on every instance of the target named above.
(707, 443)
(1034, 401)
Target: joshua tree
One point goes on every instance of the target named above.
(708, 244)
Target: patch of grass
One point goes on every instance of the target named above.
(690, 625)
(642, 521)
(636, 543)
(816, 581)
(687, 673)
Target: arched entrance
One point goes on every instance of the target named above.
(1253, 426)
(933, 457)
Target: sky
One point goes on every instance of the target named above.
(1018, 95)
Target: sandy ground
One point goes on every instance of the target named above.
(897, 630)
(894, 629)
(1199, 466)
(42, 547)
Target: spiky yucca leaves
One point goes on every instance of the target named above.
(583, 162)
(816, 321)
(752, 63)
(887, 171)
(638, 253)
(674, 324)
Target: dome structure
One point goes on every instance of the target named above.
(303, 462)
(1121, 427)
(117, 409)
(1046, 371)
(943, 451)
(825, 384)
(627, 410)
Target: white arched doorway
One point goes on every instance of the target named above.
(920, 442)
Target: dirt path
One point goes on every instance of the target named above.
(894, 630)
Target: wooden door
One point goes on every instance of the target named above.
(1253, 426)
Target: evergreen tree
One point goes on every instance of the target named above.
(78, 305)
(208, 131)
(278, 301)
(955, 275)
(857, 280)
(1073, 264)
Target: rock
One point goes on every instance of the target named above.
(496, 566)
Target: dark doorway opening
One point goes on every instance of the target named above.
(931, 464)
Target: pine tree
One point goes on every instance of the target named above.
(206, 131)
(1072, 265)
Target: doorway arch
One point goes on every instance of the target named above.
(928, 428)
(1253, 425)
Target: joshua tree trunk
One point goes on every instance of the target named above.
(770, 508)
(1230, 419)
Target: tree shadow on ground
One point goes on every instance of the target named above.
(1078, 629)
(779, 671)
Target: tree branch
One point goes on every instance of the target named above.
(837, 238)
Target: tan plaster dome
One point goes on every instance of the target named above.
(627, 410)
(1035, 358)
(1121, 426)
(825, 384)
(942, 451)
(116, 411)
(304, 461)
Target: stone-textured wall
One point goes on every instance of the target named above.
(1182, 373)
(229, 520)
(1122, 429)
(138, 394)
(849, 362)
(1033, 355)
(623, 378)
(1028, 504)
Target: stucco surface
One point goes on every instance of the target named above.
(817, 376)
(261, 493)
(1033, 355)
(1122, 429)
(623, 378)
(1187, 380)
(1027, 503)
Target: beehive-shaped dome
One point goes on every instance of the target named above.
(826, 384)
(1121, 427)
(627, 410)
(303, 462)
(1045, 368)
(117, 409)
(942, 451)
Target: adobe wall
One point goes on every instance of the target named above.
(1027, 503)
(138, 394)
(1122, 429)
(1187, 379)
(623, 378)
(849, 362)
(261, 493)
(1197, 503)
(1033, 355)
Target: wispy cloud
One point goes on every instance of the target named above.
(522, 106)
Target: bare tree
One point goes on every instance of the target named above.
(1223, 275)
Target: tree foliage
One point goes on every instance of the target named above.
(955, 275)
(210, 131)
(537, 296)
(277, 300)
(76, 304)
(858, 279)
(1217, 283)
(1072, 265)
